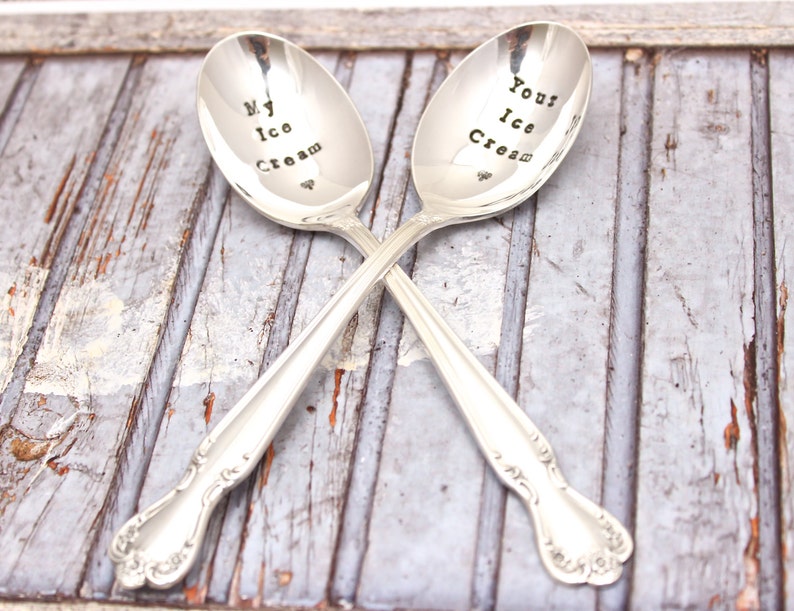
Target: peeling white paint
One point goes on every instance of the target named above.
(227, 334)
(55, 436)
(468, 293)
(93, 344)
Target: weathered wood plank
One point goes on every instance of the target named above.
(563, 371)
(781, 99)
(396, 201)
(42, 171)
(136, 459)
(770, 581)
(10, 69)
(95, 355)
(107, 29)
(696, 515)
(420, 495)
(626, 325)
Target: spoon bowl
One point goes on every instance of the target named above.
(283, 131)
(502, 122)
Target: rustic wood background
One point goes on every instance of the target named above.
(636, 307)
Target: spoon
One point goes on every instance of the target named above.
(496, 129)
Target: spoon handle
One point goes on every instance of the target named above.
(579, 542)
(158, 545)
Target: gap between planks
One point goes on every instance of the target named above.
(767, 392)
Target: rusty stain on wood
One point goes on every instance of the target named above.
(195, 594)
(209, 403)
(59, 192)
(284, 578)
(58, 468)
(26, 449)
(781, 323)
(335, 397)
(102, 264)
(749, 599)
(732, 433)
(264, 474)
(58, 212)
(670, 144)
(243, 602)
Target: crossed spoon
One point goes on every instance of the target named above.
(288, 138)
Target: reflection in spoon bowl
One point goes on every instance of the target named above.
(502, 122)
(283, 131)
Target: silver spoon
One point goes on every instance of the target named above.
(493, 133)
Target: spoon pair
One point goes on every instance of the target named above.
(288, 138)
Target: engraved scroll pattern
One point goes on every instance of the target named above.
(603, 564)
(134, 566)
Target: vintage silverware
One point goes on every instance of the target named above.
(493, 133)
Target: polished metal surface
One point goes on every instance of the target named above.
(494, 132)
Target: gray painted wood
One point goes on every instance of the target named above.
(696, 498)
(390, 506)
(11, 81)
(94, 358)
(44, 169)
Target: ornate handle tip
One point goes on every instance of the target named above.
(137, 566)
(602, 564)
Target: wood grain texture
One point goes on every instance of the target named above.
(624, 373)
(43, 170)
(11, 70)
(697, 513)
(171, 296)
(662, 24)
(95, 355)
